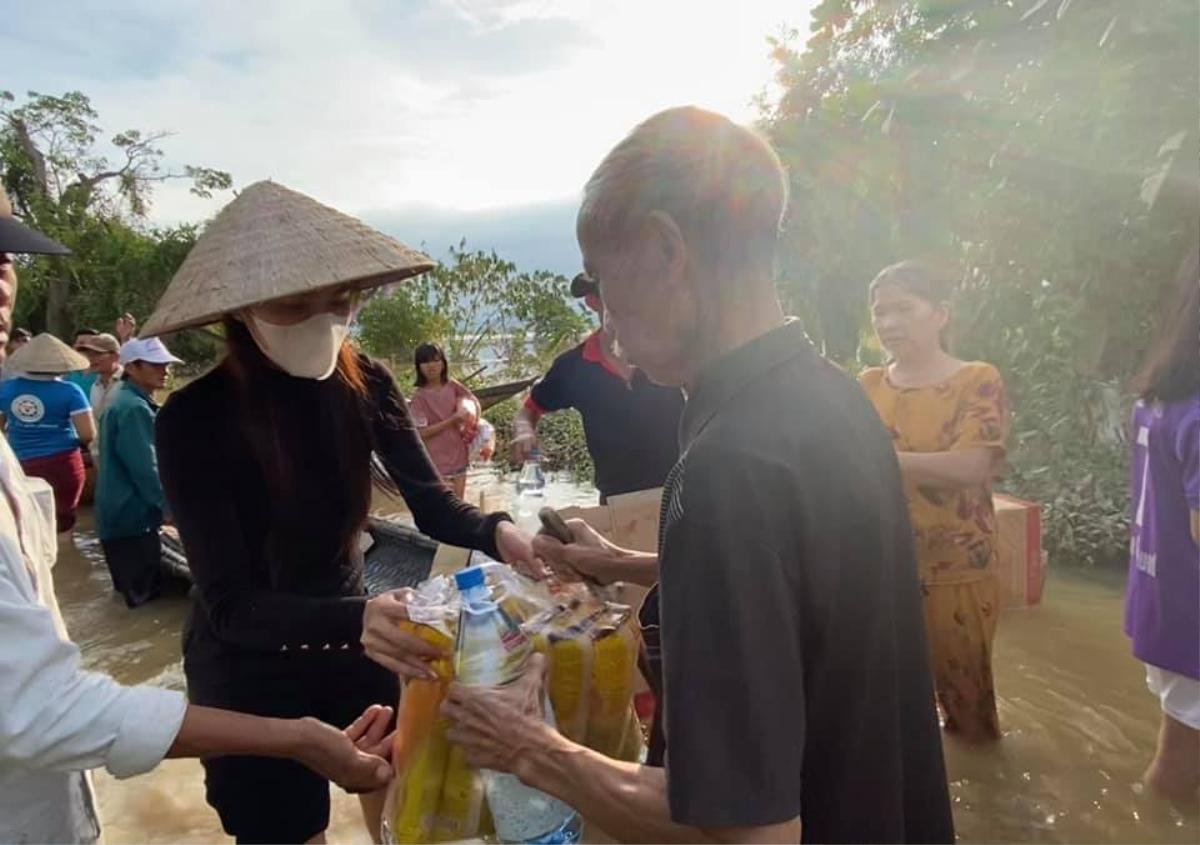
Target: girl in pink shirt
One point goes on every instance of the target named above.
(446, 414)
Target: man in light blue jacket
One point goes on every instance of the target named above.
(129, 496)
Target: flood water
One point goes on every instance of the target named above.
(1079, 724)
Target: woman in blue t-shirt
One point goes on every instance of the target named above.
(48, 420)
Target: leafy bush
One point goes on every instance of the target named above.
(564, 448)
(1047, 149)
(478, 307)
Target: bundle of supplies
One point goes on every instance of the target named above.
(591, 647)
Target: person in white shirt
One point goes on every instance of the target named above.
(57, 721)
(103, 353)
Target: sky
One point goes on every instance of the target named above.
(433, 120)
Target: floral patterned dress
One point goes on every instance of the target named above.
(954, 530)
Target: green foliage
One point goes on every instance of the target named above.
(1046, 148)
(477, 306)
(560, 436)
(61, 184)
(480, 308)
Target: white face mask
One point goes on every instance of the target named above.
(308, 349)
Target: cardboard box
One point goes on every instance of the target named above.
(630, 520)
(1021, 563)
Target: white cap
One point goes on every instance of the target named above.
(151, 350)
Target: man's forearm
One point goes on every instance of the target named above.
(525, 424)
(209, 732)
(625, 800)
(631, 567)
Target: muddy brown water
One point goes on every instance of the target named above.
(1079, 724)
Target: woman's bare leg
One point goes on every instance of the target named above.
(459, 485)
(1175, 771)
(372, 810)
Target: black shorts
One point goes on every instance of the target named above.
(268, 800)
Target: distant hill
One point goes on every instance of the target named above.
(535, 237)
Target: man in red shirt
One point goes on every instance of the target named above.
(631, 424)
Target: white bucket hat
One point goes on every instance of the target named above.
(46, 354)
(272, 242)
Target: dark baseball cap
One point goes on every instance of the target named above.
(17, 237)
(582, 286)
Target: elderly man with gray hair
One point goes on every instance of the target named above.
(785, 633)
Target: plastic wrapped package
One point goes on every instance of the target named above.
(563, 635)
(613, 673)
(420, 751)
(483, 444)
(591, 646)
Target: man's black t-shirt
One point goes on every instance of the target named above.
(793, 656)
(632, 427)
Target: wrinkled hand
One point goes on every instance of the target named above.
(516, 549)
(499, 727)
(391, 647)
(344, 756)
(588, 556)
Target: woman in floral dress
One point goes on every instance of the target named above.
(949, 423)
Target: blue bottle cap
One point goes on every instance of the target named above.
(467, 578)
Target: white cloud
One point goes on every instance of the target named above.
(374, 105)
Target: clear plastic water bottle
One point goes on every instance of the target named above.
(531, 490)
(532, 480)
(492, 651)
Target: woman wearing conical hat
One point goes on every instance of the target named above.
(267, 466)
(48, 420)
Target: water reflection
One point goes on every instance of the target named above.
(1079, 724)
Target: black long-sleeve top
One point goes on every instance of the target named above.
(271, 571)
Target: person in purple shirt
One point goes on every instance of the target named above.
(1162, 609)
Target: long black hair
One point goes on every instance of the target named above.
(278, 443)
(425, 353)
(1171, 370)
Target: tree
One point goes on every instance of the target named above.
(1046, 147)
(481, 309)
(1030, 141)
(61, 184)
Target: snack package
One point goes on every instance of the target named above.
(591, 646)
(483, 444)
(420, 751)
(611, 716)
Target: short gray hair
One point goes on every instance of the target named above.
(721, 183)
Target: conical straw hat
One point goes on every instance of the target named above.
(46, 354)
(272, 242)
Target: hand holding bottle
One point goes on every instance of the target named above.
(497, 726)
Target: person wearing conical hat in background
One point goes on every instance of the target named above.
(129, 495)
(57, 721)
(49, 420)
(267, 466)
